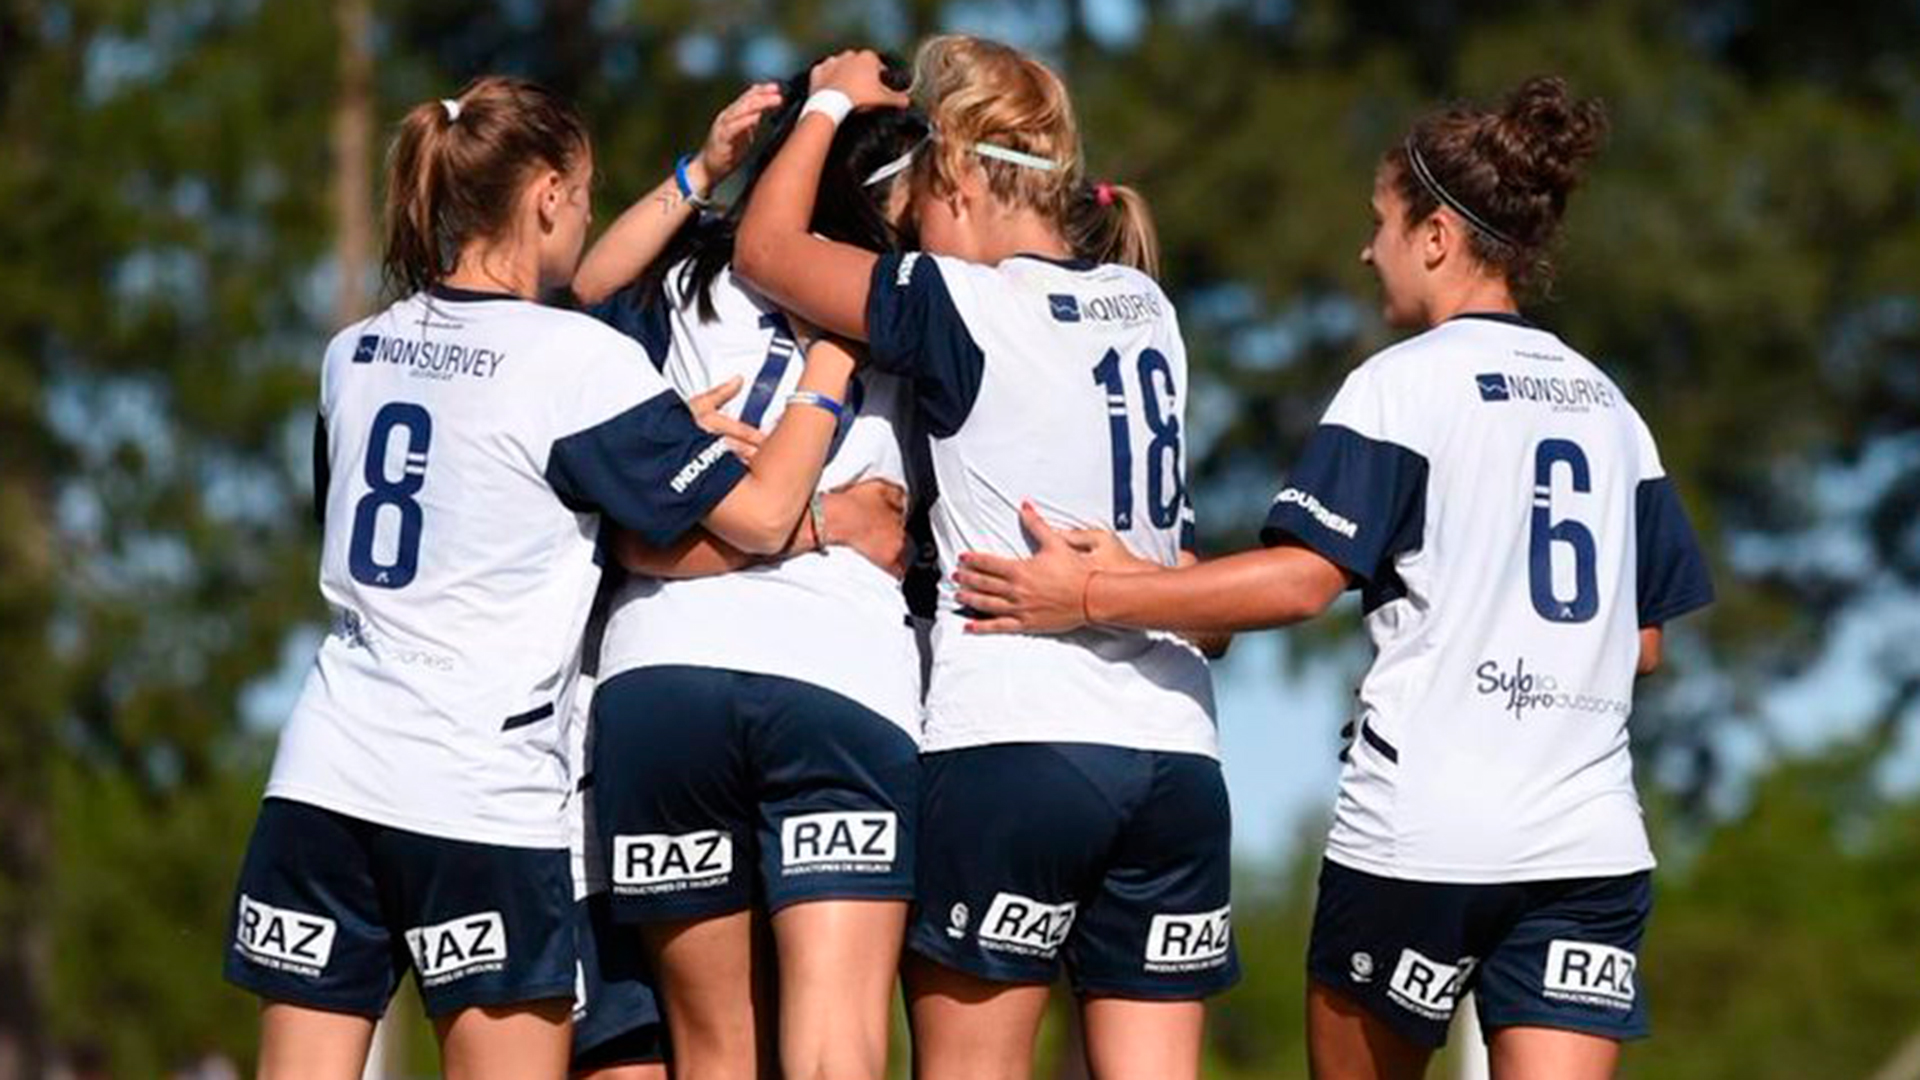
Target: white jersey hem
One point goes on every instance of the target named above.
(1437, 875)
(557, 840)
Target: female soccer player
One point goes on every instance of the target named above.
(1073, 808)
(618, 1031)
(784, 774)
(1518, 548)
(471, 441)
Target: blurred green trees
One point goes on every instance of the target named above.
(1746, 260)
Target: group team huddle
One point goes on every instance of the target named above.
(627, 740)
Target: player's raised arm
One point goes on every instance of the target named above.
(641, 233)
(823, 281)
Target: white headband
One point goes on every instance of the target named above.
(1015, 157)
(452, 106)
(985, 149)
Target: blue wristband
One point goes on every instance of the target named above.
(822, 401)
(700, 202)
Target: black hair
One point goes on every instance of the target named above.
(846, 208)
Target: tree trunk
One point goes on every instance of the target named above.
(353, 160)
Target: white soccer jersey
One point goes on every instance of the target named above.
(472, 442)
(1505, 513)
(1063, 383)
(830, 619)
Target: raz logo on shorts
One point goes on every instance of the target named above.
(283, 939)
(1021, 924)
(1426, 986)
(1589, 974)
(1189, 942)
(469, 945)
(859, 841)
(660, 863)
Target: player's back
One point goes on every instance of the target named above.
(1068, 383)
(458, 577)
(1491, 738)
(829, 618)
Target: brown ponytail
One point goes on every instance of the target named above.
(1111, 223)
(1508, 173)
(456, 167)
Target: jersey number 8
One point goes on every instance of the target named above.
(398, 493)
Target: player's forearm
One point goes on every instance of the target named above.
(1251, 590)
(634, 240)
(761, 513)
(821, 281)
(702, 554)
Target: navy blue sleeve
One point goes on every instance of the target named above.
(640, 315)
(650, 469)
(1673, 576)
(915, 331)
(1356, 501)
(322, 470)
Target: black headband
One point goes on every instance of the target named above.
(1425, 176)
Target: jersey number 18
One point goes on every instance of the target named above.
(1165, 485)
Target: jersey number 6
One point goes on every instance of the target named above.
(1546, 532)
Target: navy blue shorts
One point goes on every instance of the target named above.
(616, 1018)
(332, 911)
(1116, 861)
(715, 788)
(1559, 954)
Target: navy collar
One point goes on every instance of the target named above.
(443, 291)
(1065, 264)
(1507, 317)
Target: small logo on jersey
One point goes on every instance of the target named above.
(692, 470)
(1521, 691)
(1328, 520)
(1589, 974)
(957, 917)
(438, 360)
(1426, 986)
(470, 945)
(284, 939)
(1563, 393)
(904, 274)
(1360, 967)
(858, 842)
(1189, 942)
(1021, 924)
(653, 863)
(1065, 307)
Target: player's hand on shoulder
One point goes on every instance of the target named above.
(871, 518)
(861, 75)
(1044, 593)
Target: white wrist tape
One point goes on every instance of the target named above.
(832, 104)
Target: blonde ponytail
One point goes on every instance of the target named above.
(1111, 223)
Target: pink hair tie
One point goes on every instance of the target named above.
(1103, 193)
